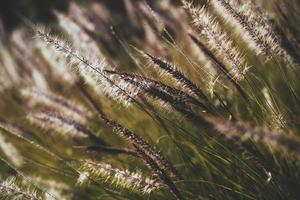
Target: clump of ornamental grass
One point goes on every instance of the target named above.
(85, 117)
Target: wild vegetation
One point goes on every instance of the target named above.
(162, 100)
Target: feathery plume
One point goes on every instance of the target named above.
(221, 67)
(160, 174)
(10, 190)
(217, 40)
(179, 77)
(277, 119)
(255, 28)
(57, 102)
(54, 121)
(170, 98)
(123, 178)
(57, 189)
(243, 131)
(57, 62)
(84, 43)
(109, 84)
(255, 40)
(142, 145)
(51, 120)
(254, 18)
(145, 84)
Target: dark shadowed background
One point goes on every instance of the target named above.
(13, 12)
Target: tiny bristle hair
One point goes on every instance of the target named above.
(57, 102)
(9, 189)
(278, 140)
(133, 181)
(51, 120)
(217, 40)
(56, 62)
(178, 76)
(142, 145)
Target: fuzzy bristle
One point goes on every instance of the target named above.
(273, 138)
(118, 177)
(57, 102)
(142, 145)
(218, 40)
(108, 84)
(10, 190)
